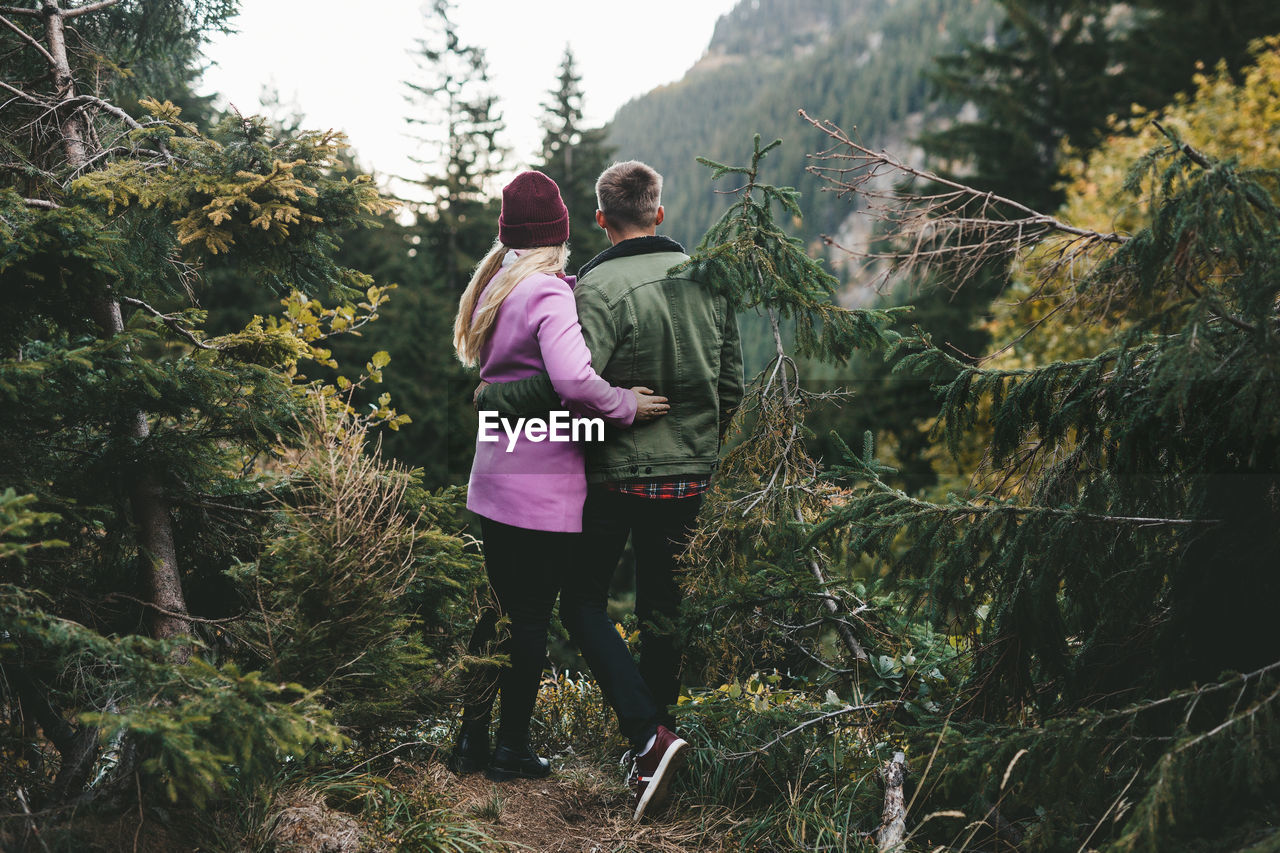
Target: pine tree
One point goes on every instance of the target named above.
(574, 156)
(1115, 552)
(456, 110)
(1058, 69)
(813, 666)
(1049, 80)
(148, 458)
(750, 566)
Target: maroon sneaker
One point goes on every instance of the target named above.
(651, 773)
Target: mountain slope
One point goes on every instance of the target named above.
(859, 63)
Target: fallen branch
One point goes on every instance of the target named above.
(893, 821)
(112, 597)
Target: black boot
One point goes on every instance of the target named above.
(517, 763)
(471, 750)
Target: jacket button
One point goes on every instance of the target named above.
(648, 470)
(635, 468)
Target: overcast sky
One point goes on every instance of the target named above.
(342, 63)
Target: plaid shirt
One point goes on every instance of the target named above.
(672, 488)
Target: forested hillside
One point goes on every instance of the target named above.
(861, 63)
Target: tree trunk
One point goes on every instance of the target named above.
(77, 745)
(150, 510)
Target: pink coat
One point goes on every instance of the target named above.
(541, 485)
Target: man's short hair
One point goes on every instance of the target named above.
(628, 194)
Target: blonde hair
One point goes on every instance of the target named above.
(472, 327)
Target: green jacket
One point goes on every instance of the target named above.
(645, 326)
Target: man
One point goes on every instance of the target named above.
(645, 326)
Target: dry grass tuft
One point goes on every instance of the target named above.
(303, 823)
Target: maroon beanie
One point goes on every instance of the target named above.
(532, 213)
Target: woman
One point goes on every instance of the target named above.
(517, 318)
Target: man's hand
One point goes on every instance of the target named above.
(649, 406)
(475, 395)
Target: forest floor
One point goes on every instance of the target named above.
(581, 808)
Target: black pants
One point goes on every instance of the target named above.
(659, 530)
(525, 569)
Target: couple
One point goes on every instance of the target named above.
(555, 516)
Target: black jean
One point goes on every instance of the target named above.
(525, 569)
(659, 530)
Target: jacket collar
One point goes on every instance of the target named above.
(634, 246)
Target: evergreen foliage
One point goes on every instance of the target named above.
(359, 584)
(143, 458)
(1059, 69)
(456, 112)
(767, 482)
(1045, 74)
(574, 156)
(1119, 540)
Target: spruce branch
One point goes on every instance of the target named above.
(1191, 153)
(887, 507)
(174, 323)
(768, 481)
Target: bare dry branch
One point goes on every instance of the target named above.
(21, 94)
(17, 10)
(112, 109)
(41, 203)
(1192, 154)
(169, 320)
(111, 152)
(87, 8)
(107, 107)
(28, 38)
(115, 596)
(831, 715)
(954, 231)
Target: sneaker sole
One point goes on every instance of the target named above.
(656, 792)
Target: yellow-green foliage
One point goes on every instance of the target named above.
(1223, 117)
(216, 208)
(576, 715)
